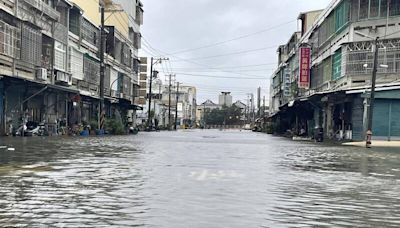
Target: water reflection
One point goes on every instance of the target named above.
(196, 179)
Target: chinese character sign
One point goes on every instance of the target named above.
(305, 63)
(286, 83)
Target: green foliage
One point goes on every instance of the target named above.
(115, 127)
(225, 115)
(94, 124)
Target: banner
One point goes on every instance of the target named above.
(305, 64)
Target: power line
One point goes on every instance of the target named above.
(230, 54)
(230, 67)
(195, 63)
(213, 71)
(213, 76)
(233, 39)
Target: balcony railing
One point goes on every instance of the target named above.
(8, 4)
(43, 7)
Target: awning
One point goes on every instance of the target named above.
(62, 88)
(133, 107)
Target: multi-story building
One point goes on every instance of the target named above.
(225, 99)
(186, 104)
(50, 64)
(143, 76)
(324, 75)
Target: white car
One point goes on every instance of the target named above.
(247, 127)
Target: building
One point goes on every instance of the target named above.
(185, 104)
(50, 66)
(324, 72)
(225, 99)
(143, 77)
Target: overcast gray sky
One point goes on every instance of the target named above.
(174, 26)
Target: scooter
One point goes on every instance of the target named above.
(31, 129)
(20, 130)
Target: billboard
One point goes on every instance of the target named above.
(305, 64)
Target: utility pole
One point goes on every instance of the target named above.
(159, 95)
(259, 102)
(169, 101)
(152, 74)
(263, 112)
(370, 107)
(176, 105)
(102, 69)
(150, 94)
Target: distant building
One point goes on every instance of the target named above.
(186, 104)
(240, 105)
(243, 107)
(204, 107)
(225, 99)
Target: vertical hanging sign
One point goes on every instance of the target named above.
(286, 82)
(305, 63)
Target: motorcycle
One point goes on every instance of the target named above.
(31, 129)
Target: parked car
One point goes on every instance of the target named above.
(247, 127)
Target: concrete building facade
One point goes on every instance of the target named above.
(335, 99)
(50, 67)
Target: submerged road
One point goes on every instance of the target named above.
(196, 179)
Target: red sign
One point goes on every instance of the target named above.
(305, 63)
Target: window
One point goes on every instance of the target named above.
(337, 65)
(394, 8)
(9, 40)
(342, 15)
(31, 45)
(60, 56)
(89, 32)
(91, 68)
(76, 63)
(383, 8)
(374, 8)
(327, 70)
(363, 13)
(74, 19)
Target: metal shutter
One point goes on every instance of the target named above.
(381, 118)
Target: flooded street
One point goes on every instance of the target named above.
(196, 179)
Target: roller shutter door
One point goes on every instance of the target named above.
(386, 122)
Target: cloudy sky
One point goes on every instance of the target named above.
(221, 45)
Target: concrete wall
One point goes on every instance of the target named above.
(120, 20)
(91, 10)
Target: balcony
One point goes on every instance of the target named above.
(8, 5)
(44, 8)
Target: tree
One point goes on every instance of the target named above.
(224, 116)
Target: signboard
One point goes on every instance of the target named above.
(180, 107)
(286, 82)
(305, 63)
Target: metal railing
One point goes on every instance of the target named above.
(43, 7)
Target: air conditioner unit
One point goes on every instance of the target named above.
(63, 78)
(41, 74)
